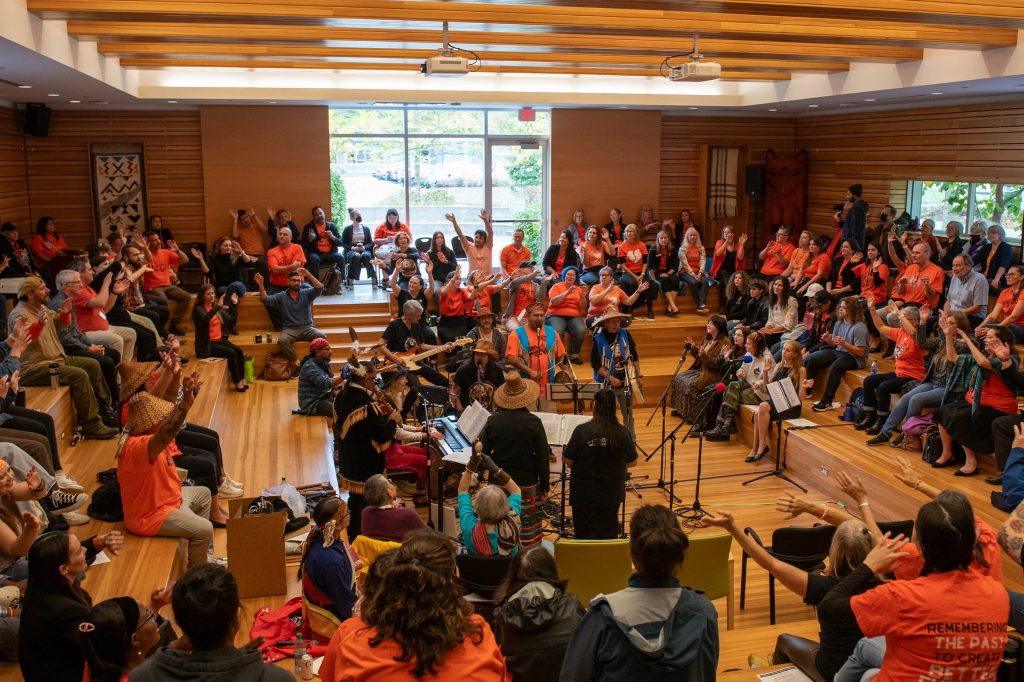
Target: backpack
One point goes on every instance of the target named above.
(854, 411)
(277, 368)
(105, 504)
(331, 281)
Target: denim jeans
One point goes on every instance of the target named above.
(574, 325)
(699, 289)
(865, 660)
(911, 404)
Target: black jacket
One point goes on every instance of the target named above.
(855, 223)
(310, 237)
(349, 240)
(16, 268)
(48, 637)
(201, 320)
(756, 315)
(516, 441)
(533, 627)
(654, 260)
(226, 664)
(571, 257)
(362, 434)
(736, 308)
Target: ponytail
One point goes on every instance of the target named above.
(656, 541)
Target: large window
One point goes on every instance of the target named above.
(429, 162)
(967, 202)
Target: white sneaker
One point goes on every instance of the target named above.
(226, 493)
(66, 483)
(219, 560)
(75, 519)
(233, 483)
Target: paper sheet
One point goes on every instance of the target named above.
(472, 421)
(783, 395)
(316, 665)
(559, 427)
(790, 674)
(799, 422)
(101, 558)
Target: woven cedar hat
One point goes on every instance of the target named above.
(516, 392)
(611, 315)
(145, 411)
(134, 375)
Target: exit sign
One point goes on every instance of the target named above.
(527, 114)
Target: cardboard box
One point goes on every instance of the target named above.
(256, 550)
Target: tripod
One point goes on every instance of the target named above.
(780, 460)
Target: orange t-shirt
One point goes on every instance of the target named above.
(772, 266)
(525, 295)
(570, 305)
(251, 239)
(89, 319)
(511, 258)
(323, 244)
(453, 303)
(280, 255)
(822, 263)
(867, 281)
(216, 333)
(1007, 300)
(593, 256)
(909, 356)
(350, 658)
(536, 356)
(800, 258)
(693, 258)
(161, 264)
(384, 230)
(914, 291)
(615, 298)
(995, 394)
(943, 626)
(633, 256)
(149, 490)
(910, 566)
(46, 248)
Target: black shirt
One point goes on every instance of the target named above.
(837, 639)
(400, 338)
(516, 441)
(467, 375)
(226, 271)
(599, 454)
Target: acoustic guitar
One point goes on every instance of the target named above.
(409, 358)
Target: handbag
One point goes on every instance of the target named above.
(916, 425)
(277, 367)
(911, 442)
(932, 447)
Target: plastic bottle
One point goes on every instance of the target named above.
(300, 651)
(874, 367)
(292, 498)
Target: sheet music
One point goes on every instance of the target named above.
(459, 456)
(783, 395)
(559, 427)
(472, 420)
(789, 674)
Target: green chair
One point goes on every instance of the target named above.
(709, 568)
(593, 567)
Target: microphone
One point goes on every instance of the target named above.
(748, 358)
(720, 387)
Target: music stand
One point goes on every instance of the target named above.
(782, 396)
(575, 392)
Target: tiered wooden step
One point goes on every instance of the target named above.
(57, 403)
(814, 457)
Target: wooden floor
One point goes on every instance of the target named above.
(263, 441)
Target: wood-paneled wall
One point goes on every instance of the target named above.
(682, 140)
(260, 156)
(603, 159)
(983, 142)
(14, 203)
(59, 179)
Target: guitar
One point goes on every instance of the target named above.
(409, 360)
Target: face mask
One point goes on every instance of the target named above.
(975, 238)
(884, 217)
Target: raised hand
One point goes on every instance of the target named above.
(5, 384)
(885, 554)
(905, 472)
(791, 505)
(112, 541)
(234, 298)
(723, 519)
(30, 521)
(65, 306)
(121, 286)
(16, 381)
(743, 239)
(33, 480)
(258, 278)
(852, 486)
(196, 253)
(483, 215)
(450, 217)
(302, 271)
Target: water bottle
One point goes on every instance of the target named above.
(292, 498)
(874, 367)
(300, 651)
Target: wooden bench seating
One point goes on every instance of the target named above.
(57, 403)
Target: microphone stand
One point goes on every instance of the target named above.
(663, 404)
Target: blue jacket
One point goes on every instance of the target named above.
(608, 644)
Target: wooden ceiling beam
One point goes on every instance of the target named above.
(576, 17)
(159, 63)
(232, 33)
(1006, 13)
(129, 50)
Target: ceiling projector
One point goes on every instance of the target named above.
(695, 71)
(444, 65)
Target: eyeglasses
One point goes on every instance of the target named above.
(151, 616)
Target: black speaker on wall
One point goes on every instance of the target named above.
(755, 180)
(37, 120)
